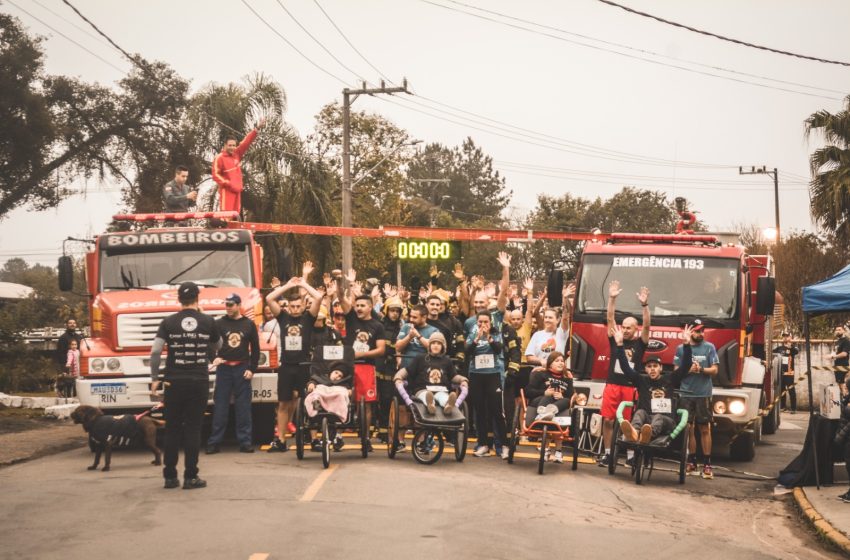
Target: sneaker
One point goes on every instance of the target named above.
(291, 427)
(316, 445)
(843, 497)
(604, 461)
(339, 443)
(447, 410)
(192, 483)
(482, 451)
(212, 449)
(246, 449)
(691, 469)
(629, 433)
(429, 403)
(630, 461)
(707, 472)
(645, 434)
(546, 413)
(399, 446)
(277, 446)
(559, 456)
(505, 452)
(172, 483)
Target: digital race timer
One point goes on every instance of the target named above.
(437, 250)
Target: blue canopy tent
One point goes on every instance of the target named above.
(827, 296)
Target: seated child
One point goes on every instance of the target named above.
(550, 390)
(431, 378)
(655, 412)
(329, 389)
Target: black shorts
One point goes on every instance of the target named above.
(291, 379)
(699, 409)
(840, 376)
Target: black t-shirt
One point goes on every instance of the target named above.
(635, 349)
(787, 354)
(386, 364)
(240, 341)
(430, 371)
(190, 336)
(842, 345)
(362, 335)
(295, 337)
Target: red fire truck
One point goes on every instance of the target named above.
(690, 277)
(132, 279)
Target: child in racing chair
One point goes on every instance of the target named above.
(431, 379)
(655, 412)
(550, 392)
(329, 390)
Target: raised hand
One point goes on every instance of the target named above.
(504, 259)
(686, 333)
(569, 291)
(403, 294)
(490, 290)
(617, 333)
(643, 295)
(423, 293)
(296, 281)
(331, 287)
(351, 275)
(528, 286)
(458, 272)
(375, 291)
(356, 288)
(262, 123)
(433, 271)
(275, 282)
(306, 269)
(614, 289)
(477, 282)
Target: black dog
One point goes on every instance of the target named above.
(106, 432)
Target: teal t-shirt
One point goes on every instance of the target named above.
(697, 384)
(414, 349)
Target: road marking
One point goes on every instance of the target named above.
(787, 425)
(316, 485)
(259, 556)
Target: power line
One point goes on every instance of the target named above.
(47, 25)
(656, 62)
(723, 38)
(644, 51)
(69, 22)
(350, 44)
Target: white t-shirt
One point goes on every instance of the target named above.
(543, 343)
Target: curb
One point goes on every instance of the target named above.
(44, 452)
(830, 533)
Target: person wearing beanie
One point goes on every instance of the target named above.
(431, 379)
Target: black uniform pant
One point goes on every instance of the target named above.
(185, 402)
(788, 383)
(485, 392)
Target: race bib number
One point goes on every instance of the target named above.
(563, 421)
(436, 388)
(332, 353)
(360, 346)
(292, 344)
(784, 360)
(662, 406)
(485, 361)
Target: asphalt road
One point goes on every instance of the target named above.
(273, 506)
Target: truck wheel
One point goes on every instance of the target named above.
(758, 429)
(743, 448)
(263, 416)
(771, 422)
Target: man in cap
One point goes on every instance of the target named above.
(235, 366)
(695, 391)
(386, 365)
(192, 338)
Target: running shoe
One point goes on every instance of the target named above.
(277, 446)
(843, 497)
(291, 427)
(559, 456)
(505, 452)
(707, 473)
(316, 445)
(339, 443)
(399, 446)
(194, 483)
(482, 451)
(604, 461)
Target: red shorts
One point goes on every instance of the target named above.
(364, 382)
(612, 396)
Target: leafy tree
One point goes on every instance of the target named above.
(830, 167)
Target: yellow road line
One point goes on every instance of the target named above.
(316, 485)
(259, 556)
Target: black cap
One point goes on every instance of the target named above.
(652, 359)
(188, 291)
(698, 325)
(233, 298)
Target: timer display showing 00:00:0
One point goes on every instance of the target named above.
(424, 250)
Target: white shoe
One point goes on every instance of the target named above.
(482, 451)
(559, 457)
(505, 452)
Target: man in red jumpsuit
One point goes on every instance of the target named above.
(227, 170)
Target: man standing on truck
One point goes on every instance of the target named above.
(296, 329)
(177, 196)
(695, 392)
(192, 339)
(235, 366)
(227, 170)
(617, 387)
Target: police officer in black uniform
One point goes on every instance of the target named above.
(192, 339)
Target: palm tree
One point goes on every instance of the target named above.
(283, 184)
(829, 190)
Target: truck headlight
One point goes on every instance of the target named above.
(720, 407)
(737, 407)
(113, 364)
(96, 365)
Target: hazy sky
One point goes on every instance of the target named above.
(567, 114)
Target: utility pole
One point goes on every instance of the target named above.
(436, 206)
(775, 174)
(347, 100)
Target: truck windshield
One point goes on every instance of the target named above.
(220, 267)
(679, 286)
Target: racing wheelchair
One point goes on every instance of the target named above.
(557, 430)
(329, 423)
(430, 432)
(673, 446)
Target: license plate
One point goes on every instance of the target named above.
(108, 389)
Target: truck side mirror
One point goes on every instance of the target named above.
(554, 287)
(66, 274)
(765, 295)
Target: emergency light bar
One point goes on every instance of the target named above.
(175, 216)
(670, 238)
